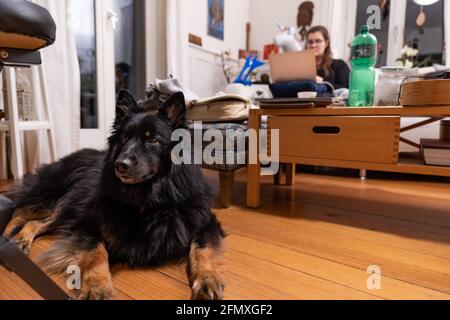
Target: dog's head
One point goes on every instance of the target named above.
(140, 146)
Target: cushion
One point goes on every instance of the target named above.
(240, 129)
(25, 25)
(223, 108)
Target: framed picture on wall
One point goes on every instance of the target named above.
(216, 19)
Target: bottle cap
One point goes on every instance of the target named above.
(365, 29)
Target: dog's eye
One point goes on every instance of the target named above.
(151, 142)
(124, 140)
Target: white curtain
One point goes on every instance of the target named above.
(340, 19)
(177, 39)
(447, 31)
(397, 24)
(61, 68)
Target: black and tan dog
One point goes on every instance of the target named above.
(129, 205)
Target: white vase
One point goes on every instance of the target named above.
(387, 91)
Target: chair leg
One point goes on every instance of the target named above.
(48, 113)
(226, 188)
(13, 259)
(4, 157)
(13, 120)
(16, 261)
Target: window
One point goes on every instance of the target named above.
(129, 43)
(399, 27)
(429, 40)
(382, 34)
(83, 19)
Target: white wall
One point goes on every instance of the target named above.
(332, 14)
(264, 13)
(205, 70)
(236, 17)
(205, 74)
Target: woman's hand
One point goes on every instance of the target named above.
(319, 79)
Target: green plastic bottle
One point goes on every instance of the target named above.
(362, 76)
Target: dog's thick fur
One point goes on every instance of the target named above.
(129, 205)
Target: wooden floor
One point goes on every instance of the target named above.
(315, 241)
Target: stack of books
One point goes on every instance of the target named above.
(436, 152)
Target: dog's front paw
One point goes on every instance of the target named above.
(208, 287)
(96, 293)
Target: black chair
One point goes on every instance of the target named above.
(13, 259)
(24, 29)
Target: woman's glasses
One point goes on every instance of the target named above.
(317, 41)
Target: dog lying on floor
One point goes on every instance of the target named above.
(129, 205)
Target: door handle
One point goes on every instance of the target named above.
(112, 16)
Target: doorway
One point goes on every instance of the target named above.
(110, 38)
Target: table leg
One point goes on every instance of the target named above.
(363, 174)
(290, 174)
(226, 188)
(254, 166)
(277, 176)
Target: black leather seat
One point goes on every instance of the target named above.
(25, 25)
(25, 28)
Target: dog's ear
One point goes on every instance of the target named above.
(125, 104)
(174, 109)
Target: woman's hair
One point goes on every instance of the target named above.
(327, 59)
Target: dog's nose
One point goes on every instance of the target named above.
(123, 165)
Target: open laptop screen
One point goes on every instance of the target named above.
(291, 66)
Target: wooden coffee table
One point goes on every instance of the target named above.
(355, 138)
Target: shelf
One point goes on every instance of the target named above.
(409, 163)
(413, 163)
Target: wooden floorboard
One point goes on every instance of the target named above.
(343, 275)
(314, 240)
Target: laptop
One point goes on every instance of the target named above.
(291, 66)
(287, 103)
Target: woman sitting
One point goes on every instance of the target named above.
(330, 70)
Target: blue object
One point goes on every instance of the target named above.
(292, 88)
(250, 65)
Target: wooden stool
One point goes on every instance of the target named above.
(15, 127)
(25, 28)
